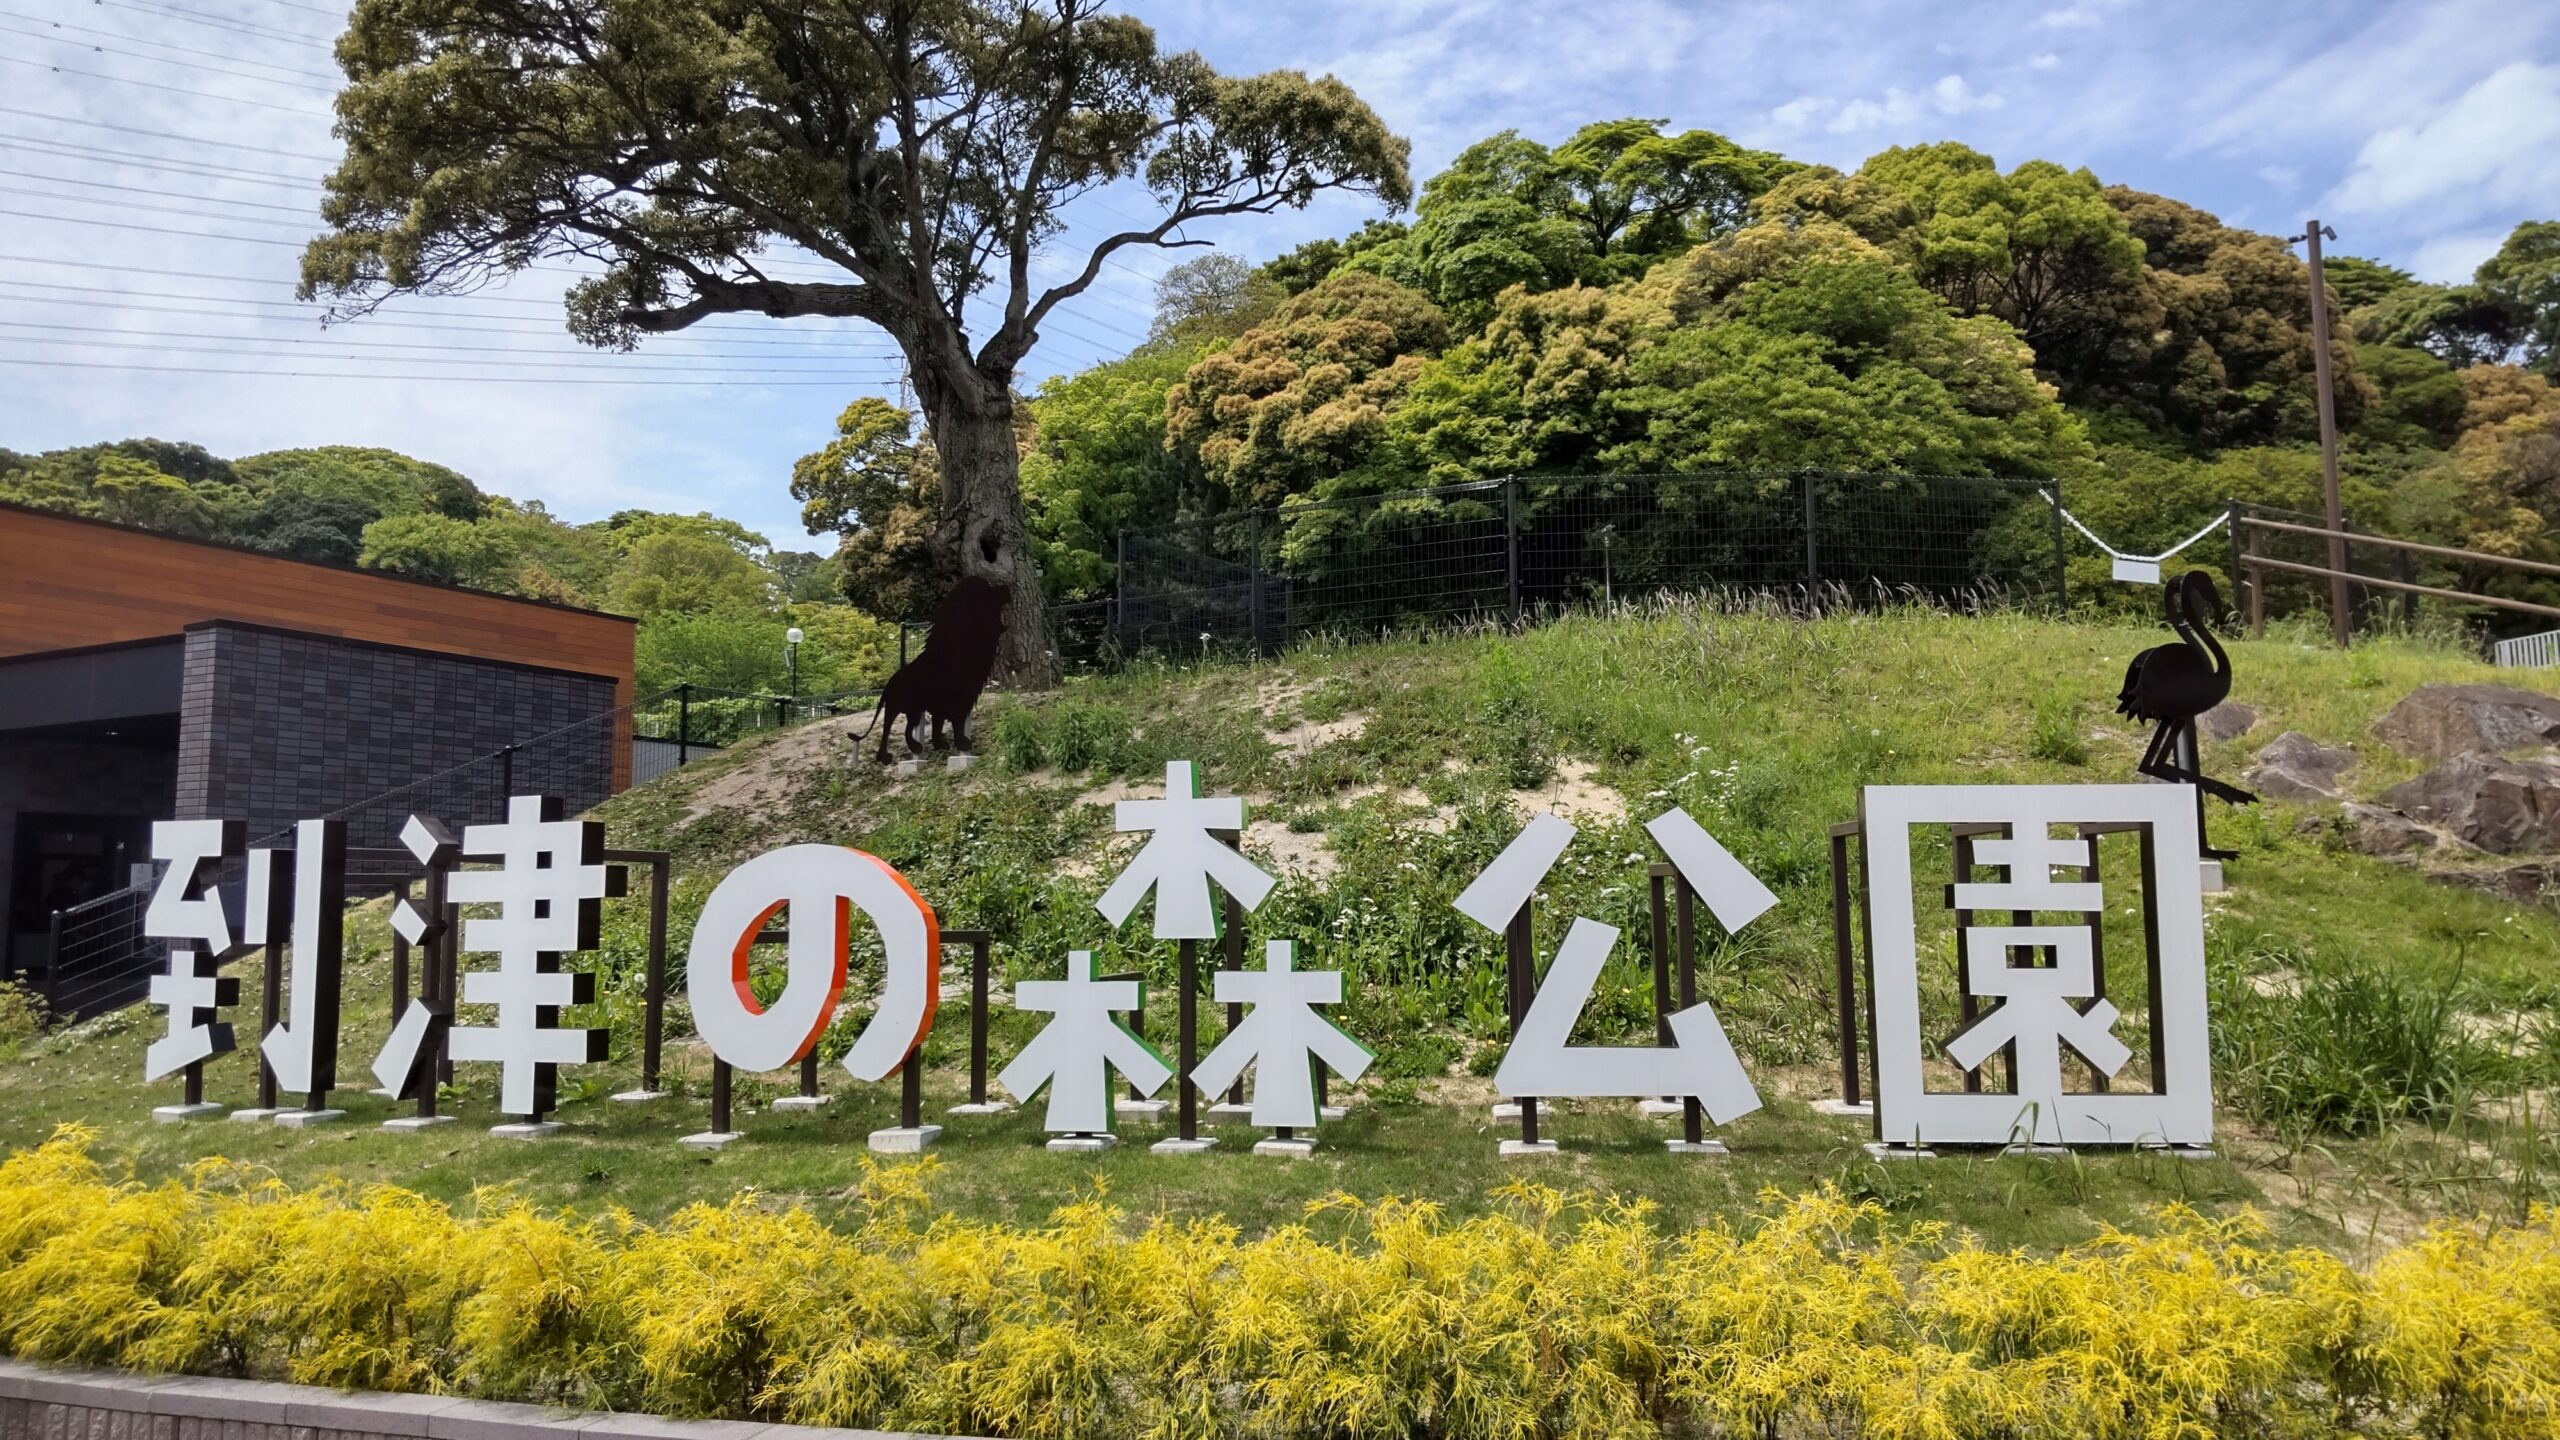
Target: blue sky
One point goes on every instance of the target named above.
(2421, 131)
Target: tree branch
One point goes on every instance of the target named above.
(778, 299)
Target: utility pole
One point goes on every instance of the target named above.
(2340, 623)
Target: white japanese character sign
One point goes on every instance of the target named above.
(821, 886)
(1181, 858)
(1279, 1037)
(1073, 1054)
(301, 1048)
(401, 1065)
(186, 910)
(2039, 967)
(1542, 1061)
(548, 887)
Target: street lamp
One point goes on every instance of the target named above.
(791, 639)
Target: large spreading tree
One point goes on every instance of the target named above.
(923, 149)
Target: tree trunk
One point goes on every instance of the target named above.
(982, 521)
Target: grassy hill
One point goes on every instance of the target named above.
(2384, 1041)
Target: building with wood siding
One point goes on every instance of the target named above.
(144, 677)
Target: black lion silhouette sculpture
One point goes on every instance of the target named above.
(947, 676)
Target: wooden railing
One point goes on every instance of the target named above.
(2254, 563)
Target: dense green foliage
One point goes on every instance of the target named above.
(1635, 301)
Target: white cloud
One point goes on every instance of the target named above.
(2450, 259)
(2281, 177)
(1802, 111)
(2074, 17)
(2046, 61)
(2494, 147)
(1898, 107)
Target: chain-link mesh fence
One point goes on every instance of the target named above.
(1506, 549)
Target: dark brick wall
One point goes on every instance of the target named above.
(278, 726)
(72, 777)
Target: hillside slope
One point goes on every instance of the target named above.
(2383, 1038)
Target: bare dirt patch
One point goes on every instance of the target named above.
(1278, 696)
(1574, 795)
(773, 771)
(1294, 855)
(1116, 791)
(1307, 736)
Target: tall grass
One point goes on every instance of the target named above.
(2319, 1046)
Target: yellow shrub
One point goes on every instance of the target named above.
(1551, 1316)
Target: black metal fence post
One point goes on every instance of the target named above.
(506, 776)
(52, 961)
(684, 724)
(1812, 532)
(1511, 541)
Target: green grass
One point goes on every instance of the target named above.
(1763, 726)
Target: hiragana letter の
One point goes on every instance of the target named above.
(821, 886)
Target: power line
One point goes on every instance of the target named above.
(66, 150)
(314, 9)
(600, 365)
(222, 22)
(167, 135)
(380, 322)
(405, 344)
(123, 38)
(303, 210)
(304, 308)
(279, 280)
(1052, 323)
(216, 235)
(159, 229)
(95, 48)
(162, 209)
(431, 379)
(171, 89)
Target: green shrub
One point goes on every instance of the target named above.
(2056, 735)
(1085, 737)
(22, 1013)
(1076, 736)
(1515, 734)
(1022, 738)
(2343, 1047)
(1558, 1315)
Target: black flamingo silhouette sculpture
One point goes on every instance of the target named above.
(2171, 685)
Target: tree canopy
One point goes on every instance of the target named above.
(1613, 198)
(878, 486)
(1306, 394)
(919, 153)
